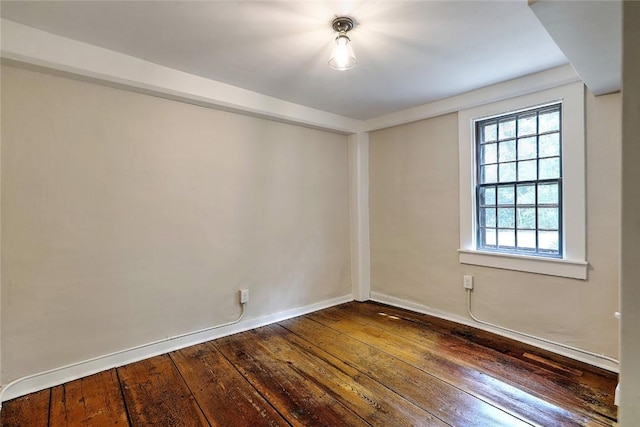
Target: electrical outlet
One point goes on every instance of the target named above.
(244, 296)
(468, 282)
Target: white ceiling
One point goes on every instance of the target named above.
(409, 52)
(593, 40)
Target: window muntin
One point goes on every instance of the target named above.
(519, 182)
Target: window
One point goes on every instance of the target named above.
(522, 183)
(519, 182)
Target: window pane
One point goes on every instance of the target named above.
(527, 148)
(550, 168)
(527, 125)
(519, 176)
(507, 238)
(507, 151)
(548, 194)
(490, 237)
(489, 153)
(526, 194)
(507, 172)
(506, 217)
(526, 218)
(487, 196)
(489, 132)
(550, 145)
(487, 217)
(548, 218)
(527, 239)
(527, 171)
(548, 240)
(549, 121)
(505, 195)
(488, 174)
(507, 129)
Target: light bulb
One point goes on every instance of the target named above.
(342, 56)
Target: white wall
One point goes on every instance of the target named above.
(129, 218)
(414, 208)
(630, 265)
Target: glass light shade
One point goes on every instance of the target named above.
(342, 57)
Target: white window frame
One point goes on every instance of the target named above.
(573, 264)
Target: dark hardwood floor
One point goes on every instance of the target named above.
(356, 364)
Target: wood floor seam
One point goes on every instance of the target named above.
(123, 399)
(250, 385)
(195, 398)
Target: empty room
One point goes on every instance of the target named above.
(320, 213)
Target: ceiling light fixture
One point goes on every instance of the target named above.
(342, 57)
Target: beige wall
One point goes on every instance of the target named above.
(128, 218)
(415, 235)
(630, 263)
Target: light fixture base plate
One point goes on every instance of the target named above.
(342, 24)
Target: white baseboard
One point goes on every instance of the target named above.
(61, 375)
(419, 308)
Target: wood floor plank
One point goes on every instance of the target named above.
(565, 388)
(300, 401)
(225, 396)
(95, 400)
(57, 412)
(372, 401)
(486, 387)
(31, 410)
(449, 403)
(156, 394)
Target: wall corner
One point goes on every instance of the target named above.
(359, 215)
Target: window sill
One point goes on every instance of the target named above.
(549, 266)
